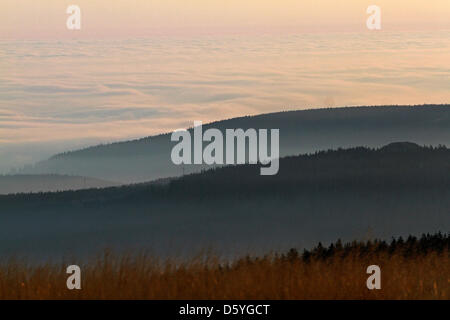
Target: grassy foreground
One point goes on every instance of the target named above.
(411, 269)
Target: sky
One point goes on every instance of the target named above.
(141, 67)
(39, 19)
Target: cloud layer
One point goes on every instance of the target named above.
(92, 91)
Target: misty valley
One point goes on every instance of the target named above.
(355, 193)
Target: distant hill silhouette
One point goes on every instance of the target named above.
(401, 147)
(48, 183)
(397, 190)
(300, 132)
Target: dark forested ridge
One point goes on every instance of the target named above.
(301, 132)
(399, 189)
(397, 166)
(10, 184)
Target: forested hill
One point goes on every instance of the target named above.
(300, 132)
(395, 167)
(48, 183)
(400, 189)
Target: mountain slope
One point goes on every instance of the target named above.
(48, 183)
(351, 194)
(300, 132)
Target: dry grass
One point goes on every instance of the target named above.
(417, 276)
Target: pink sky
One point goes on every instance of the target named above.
(258, 56)
(34, 19)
